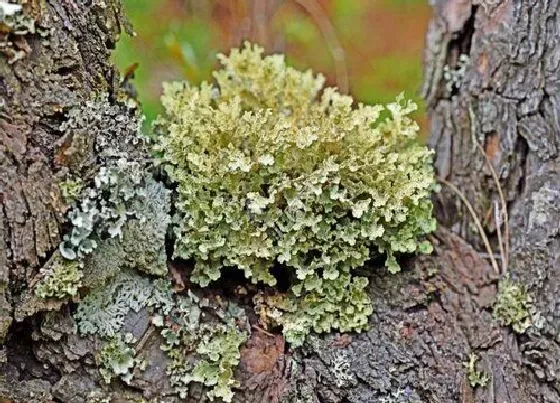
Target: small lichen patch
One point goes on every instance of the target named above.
(203, 351)
(513, 306)
(61, 278)
(475, 377)
(116, 359)
(71, 189)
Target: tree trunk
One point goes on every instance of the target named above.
(428, 319)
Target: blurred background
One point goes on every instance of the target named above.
(372, 49)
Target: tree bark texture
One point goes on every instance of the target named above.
(427, 319)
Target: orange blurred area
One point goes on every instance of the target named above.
(371, 49)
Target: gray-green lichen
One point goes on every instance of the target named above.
(109, 130)
(201, 338)
(103, 310)
(103, 208)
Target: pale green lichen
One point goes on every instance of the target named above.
(116, 359)
(513, 306)
(70, 189)
(204, 352)
(476, 377)
(342, 304)
(60, 278)
(271, 171)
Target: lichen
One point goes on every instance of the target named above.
(70, 189)
(104, 309)
(341, 304)
(269, 171)
(103, 208)
(202, 347)
(340, 368)
(60, 278)
(476, 378)
(204, 352)
(513, 306)
(454, 77)
(116, 359)
(109, 130)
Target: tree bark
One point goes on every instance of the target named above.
(427, 319)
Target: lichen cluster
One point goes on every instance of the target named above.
(475, 377)
(116, 359)
(267, 170)
(271, 169)
(118, 216)
(203, 351)
(513, 306)
(201, 337)
(60, 278)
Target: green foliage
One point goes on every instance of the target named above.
(116, 359)
(513, 305)
(60, 278)
(269, 170)
(476, 378)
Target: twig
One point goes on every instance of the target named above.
(504, 247)
(476, 221)
(329, 34)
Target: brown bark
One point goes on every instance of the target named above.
(427, 319)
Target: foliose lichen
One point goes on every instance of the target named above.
(201, 350)
(70, 189)
(103, 208)
(513, 306)
(476, 377)
(271, 171)
(60, 278)
(103, 310)
(116, 359)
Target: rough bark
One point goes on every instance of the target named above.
(428, 318)
(50, 62)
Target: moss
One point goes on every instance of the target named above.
(513, 306)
